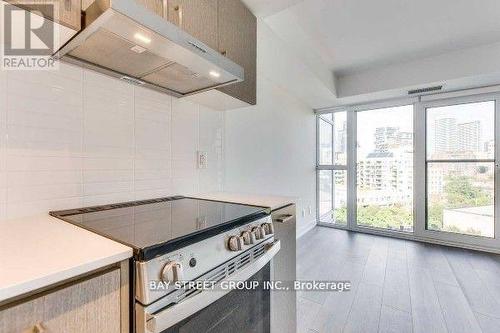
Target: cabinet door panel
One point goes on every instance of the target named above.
(69, 11)
(197, 17)
(92, 305)
(155, 6)
(22, 317)
(237, 41)
(86, 4)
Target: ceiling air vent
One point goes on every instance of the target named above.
(424, 90)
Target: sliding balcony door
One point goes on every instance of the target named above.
(460, 168)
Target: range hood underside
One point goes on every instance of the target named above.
(178, 64)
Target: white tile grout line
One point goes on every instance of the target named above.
(171, 154)
(82, 139)
(134, 92)
(198, 189)
(6, 144)
(222, 169)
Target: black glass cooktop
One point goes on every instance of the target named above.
(157, 226)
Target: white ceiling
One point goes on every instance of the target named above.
(263, 8)
(347, 36)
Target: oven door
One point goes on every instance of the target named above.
(218, 310)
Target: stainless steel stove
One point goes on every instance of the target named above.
(181, 241)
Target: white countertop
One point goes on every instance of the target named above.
(39, 251)
(271, 201)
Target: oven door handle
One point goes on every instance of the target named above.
(160, 321)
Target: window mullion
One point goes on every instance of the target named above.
(351, 169)
(419, 169)
(497, 170)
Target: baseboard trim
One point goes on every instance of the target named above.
(415, 238)
(305, 229)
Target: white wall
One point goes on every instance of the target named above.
(290, 71)
(270, 147)
(74, 138)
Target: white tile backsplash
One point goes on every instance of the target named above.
(211, 141)
(72, 138)
(153, 142)
(185, 144)
(3, 142)
(108, 139)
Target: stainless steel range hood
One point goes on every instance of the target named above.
(124, 39)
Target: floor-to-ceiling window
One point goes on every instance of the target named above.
(332, 168)
(384, 168)
(424, 168)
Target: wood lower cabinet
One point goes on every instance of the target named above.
(68, 11)
(238, 42)
(93, 304)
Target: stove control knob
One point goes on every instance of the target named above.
(258, 232)
(253, 239)
(247, 238)
(172, 272)
(235, 243)
(268, 228)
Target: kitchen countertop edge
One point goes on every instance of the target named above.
(273, 202)
(44, 267)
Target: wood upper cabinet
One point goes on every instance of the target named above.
(197, 17)
(68, 11)
(226, 26)
(156, 6)
(238, 42)
(91, 305)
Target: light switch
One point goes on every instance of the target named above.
(202, 159)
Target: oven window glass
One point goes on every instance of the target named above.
(238, 311)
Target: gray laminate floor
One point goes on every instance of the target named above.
(398, 286)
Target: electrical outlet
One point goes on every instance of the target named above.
(202, 159)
